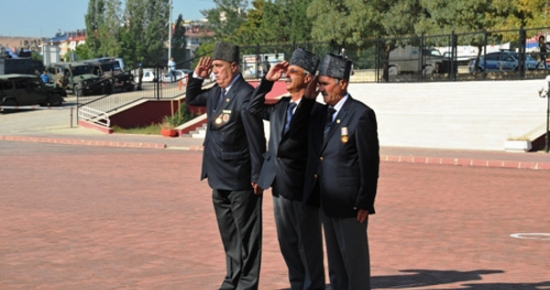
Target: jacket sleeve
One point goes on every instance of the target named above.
(254, 129)
(194, 94)
(257, 105)
(369, 160)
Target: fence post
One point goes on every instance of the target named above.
(485, 54)
(454, 56)
(377, 58)
(522, 40)
(258, 61)
(421, 58)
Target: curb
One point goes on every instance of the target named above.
(467, 162)
(84, 142)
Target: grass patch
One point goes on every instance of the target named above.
(149, 130)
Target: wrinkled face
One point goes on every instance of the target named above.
(224, 72)
(332, 89)
(296, 78)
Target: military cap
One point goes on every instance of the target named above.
(335, 66)
(226, 52)
(305, 59)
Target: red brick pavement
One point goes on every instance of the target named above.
(84, 217)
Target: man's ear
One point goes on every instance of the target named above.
(343, 84)
(234, 67)
(308, 78)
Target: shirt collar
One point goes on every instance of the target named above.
(340, 103)
(232, 83)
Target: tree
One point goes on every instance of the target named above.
(145, 32)
(179, 43)
(226, 18)
(352, 23)
(83, 51)
(109, 32)
(94, 19)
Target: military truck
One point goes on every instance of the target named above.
(78, 78)
(20, 66)
(111, 70)
(27, 89)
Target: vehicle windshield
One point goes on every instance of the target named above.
(110, 66)
(81, 70)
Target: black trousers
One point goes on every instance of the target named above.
(239, 215)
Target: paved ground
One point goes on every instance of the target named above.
(110, 212)
(94, 217)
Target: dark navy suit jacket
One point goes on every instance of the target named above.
(342, 170)
(235, 139)
(285, 161)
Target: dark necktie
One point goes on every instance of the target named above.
(289, 111)
(330, 112)
(220, 99)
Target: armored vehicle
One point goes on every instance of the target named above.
(26, 89)
(111, 70)
(78, 77)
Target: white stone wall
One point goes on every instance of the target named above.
(454, 115)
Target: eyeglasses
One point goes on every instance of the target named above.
(294, 71)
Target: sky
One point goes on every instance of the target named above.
(38, 18)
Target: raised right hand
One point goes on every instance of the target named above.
(276, 71)
(312, 88)
(204, 67)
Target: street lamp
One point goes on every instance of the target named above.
(545, 93)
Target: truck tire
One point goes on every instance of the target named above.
(9, 103)
(55, 100)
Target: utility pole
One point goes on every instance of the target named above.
(170, 32)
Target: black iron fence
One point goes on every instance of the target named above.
(484, 55)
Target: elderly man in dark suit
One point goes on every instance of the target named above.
(298, 225)
(342, 174)
(232, 160)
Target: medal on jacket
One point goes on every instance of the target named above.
(223, 117)
(344, 134)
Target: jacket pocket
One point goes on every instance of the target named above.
(232, 155)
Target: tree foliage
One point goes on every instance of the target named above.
(137, 33)
(179, 43)
(226, 18)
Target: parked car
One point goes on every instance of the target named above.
(501, 61)
(148, 75)
(180, 74)
(25, 89)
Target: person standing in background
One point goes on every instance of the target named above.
(172, 69)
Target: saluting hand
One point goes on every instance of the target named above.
(204, 67)
(276, 71)
(312, 89)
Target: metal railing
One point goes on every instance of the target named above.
(95, 116)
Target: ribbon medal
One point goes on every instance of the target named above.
(344, 134)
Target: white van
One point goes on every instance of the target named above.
(407, 60)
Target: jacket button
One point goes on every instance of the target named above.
(315, 176)
(321, 158)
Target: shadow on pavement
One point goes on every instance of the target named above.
(424, 278)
